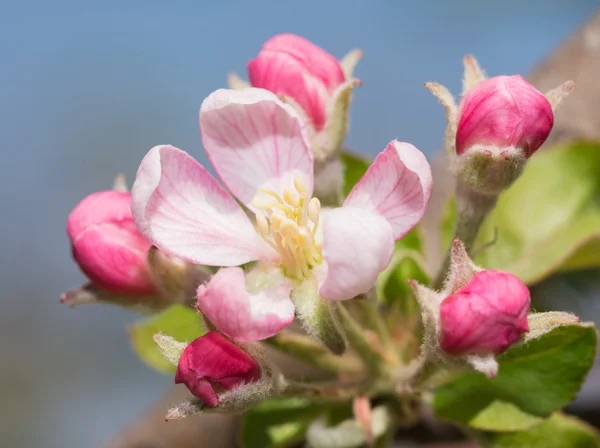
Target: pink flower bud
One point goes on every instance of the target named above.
(485, 316)
(107, 245)
(213, 362)
(291, 66)
(504, 111)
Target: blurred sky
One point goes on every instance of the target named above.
(87, 87)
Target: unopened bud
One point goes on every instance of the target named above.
(485, 316)
(107, 245)
(503, 112)
(311, 80)
(211, 363)
(498, 124)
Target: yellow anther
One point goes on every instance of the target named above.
(272, 194)
(263, 203)
(276, 220)
(300, 185)
(289, 227)
(290, 197)
(314, 209)
(286, 209)
(262, 225)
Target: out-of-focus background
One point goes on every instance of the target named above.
(86, 88)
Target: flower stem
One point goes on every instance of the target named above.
(375, 361)
(472, 208)
(312, 353)
(370, 311)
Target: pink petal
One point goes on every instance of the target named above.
(241, 314)
(357, 246)
(180, 208)
(397, 186)
(255, 141)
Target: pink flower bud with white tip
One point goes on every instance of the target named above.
(504, 112)
(498, 124)
(485, 316)
(313, 81)
(212, 363)
(107, 245)
(292, 66)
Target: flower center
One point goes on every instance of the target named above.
(289, 226)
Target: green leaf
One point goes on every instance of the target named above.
(177, 321)
(279, 422)
(534, 380)
(448, 223)
(558, 431)
(355, 166)
(549, 220)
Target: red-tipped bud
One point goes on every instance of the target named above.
(211, 364)
(485, 316)
(503, 112)
(291, 66)
(107, 245)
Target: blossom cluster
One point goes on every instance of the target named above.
(255, 249)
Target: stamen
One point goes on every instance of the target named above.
(289, 227)
(300, 185)
(262, 225)
(290, 197)
(262, 203)
(314, 210)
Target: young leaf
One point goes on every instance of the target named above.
(535, 379)
(355, 166)
(177, 321)
(545, 225)
(558, 431)
(279, 422)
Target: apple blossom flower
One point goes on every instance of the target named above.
(260, 151)
(310, 79)
(485, 316)
(212, 360)
(107, 245)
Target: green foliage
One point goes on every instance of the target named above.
(355, 166)
(177, 321)
(534, 380)
(549, 220)
(558, 431)
(279, 422)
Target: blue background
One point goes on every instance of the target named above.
(87, 87)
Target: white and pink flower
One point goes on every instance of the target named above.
(261, 153)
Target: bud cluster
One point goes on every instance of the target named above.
(263, 262)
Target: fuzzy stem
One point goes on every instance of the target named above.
(370, 312)
(472, 208)
(374, 360)
(312, 353)
(332, 390)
